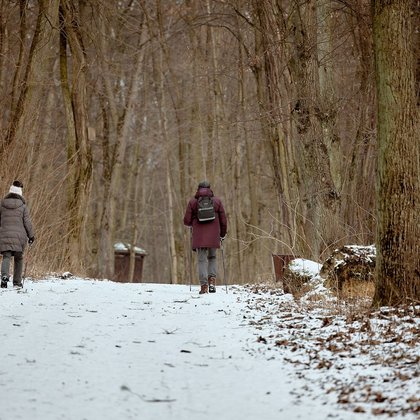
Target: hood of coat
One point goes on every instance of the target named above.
(12, 201)
(204, 192)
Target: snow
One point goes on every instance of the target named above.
(368, 359)
(88, 349)
(366, 253)
(122, 247)
(307, 267)
(317, 291)
(363, 249)
(311, 269)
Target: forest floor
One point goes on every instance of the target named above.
(86, 349)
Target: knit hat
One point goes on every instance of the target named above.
(204, 184)
(16, 188)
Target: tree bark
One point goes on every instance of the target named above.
(398, 182)
(79, 155)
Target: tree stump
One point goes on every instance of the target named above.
(350, 270)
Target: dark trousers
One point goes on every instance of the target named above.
(17, 268)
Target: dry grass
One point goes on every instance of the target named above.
(354, 290)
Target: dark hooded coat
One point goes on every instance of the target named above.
(15, 223)
(206, 235)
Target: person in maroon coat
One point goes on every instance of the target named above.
(206, 236)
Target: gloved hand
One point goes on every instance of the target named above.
(31, 240)
(223, 238)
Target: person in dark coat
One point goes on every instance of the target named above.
(206, 236)
(15, 231)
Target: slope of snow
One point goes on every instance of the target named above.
(306, 267)
(84, 349)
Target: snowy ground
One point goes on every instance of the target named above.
(82, 349)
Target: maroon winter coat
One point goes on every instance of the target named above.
(206, 235)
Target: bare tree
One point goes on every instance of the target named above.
(26, 111)
(79, 155)
(398, 246)
(272, 101)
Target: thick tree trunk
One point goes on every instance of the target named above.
(271, 86)
(79, 155)
(398, 180)
(303, 149)
(317, 190)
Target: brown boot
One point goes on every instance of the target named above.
(204, 289)
(212, 284)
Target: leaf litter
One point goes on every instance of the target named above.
(369, 359)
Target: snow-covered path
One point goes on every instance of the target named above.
(77, 349)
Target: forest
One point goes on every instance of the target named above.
(302, 114)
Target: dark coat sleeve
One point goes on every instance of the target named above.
(188, 217)
(222, 221)
(27, 223)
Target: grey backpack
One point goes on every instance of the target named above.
(205, 211)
